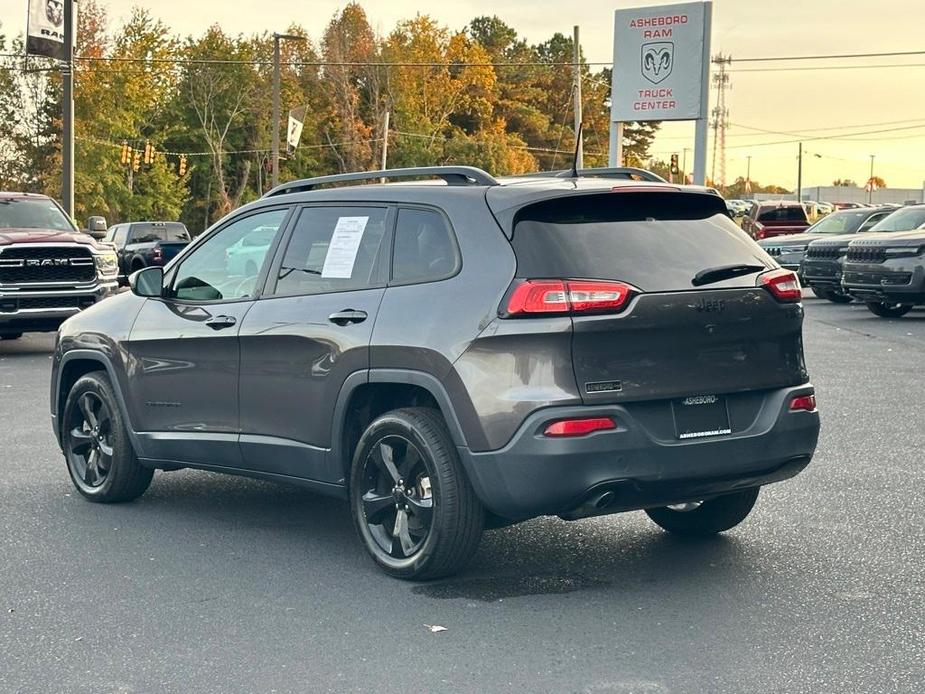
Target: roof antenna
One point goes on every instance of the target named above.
(581, 126)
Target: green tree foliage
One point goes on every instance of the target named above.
(452, 97)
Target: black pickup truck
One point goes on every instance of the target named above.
(141, 244)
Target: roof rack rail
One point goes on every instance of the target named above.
(623, 172)
(453, 175)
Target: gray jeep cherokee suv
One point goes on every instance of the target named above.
(454, 357)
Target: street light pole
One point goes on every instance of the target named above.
(276, 59)
(870, 181)
(800, 174)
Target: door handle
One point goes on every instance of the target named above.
(347, 316)
(221, 322)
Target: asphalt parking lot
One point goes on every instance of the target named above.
(218, 584)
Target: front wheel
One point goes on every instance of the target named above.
(888, 310)
(412, 504)
(839, 298)
(709, 517)
(99, 455)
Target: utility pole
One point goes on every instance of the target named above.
(276, 58)
(576, 81)
(67, 134)
(748, 173)
(800, 173)
(870, 181)
(385, 141)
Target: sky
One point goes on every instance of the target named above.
(797, 104)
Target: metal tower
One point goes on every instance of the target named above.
(720, 121)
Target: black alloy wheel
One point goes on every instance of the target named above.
(412, 504)
(397, 500)
(88, 441)
(97, 449)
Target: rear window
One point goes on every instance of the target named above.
(654, 241)
(148, 233)
(785, 213)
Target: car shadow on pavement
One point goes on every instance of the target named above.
(542, 556)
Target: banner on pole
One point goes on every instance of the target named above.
(294, 131)
(45, 29)
(658, 59)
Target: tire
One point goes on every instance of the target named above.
(885, 310)
(839, 298)
(443, 518)
(710, 517)
(821, 293)
(115, 475)
(10, 336)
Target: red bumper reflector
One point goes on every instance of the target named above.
(803, 403)
(579, 427)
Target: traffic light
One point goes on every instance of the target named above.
(136, 160)
(181, 168)
(125, 155)
(674, 165)
(149, 153)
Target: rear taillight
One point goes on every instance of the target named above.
(567, 296)
(759, 230)
(803, 403)
(157, 254)
(579, 427)
(784, 285)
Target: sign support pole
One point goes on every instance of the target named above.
(67, 134)
(702, 129)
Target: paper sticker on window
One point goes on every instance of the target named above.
(342, 252)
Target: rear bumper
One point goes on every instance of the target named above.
(27, 310)
(534, 475)
(893, 281)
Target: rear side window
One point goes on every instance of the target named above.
(654, 241)
(424, 248)
(332, 249)
(785, 213)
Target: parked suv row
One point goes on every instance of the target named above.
(453, 357)
(887, 270)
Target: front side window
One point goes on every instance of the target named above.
(332, 249)
(213, 272)
(907, 219)
(424, 248)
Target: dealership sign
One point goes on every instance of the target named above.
(45, 28)
(658, 60)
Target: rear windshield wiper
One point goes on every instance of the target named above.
(724, 272)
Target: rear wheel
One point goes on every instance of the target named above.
(412, 504)
(705, 517)
(10, 336)
(839, 298)
(99, 455)
(888, 310)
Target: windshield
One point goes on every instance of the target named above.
(35, 213)
(839, 223)
(902, 220)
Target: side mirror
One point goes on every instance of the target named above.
(96, 227)
(147, 282)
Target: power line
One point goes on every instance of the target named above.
(827, 67)
(831, 56)
(844, 136)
